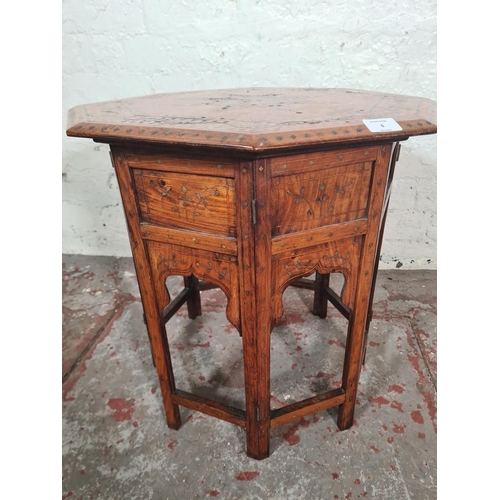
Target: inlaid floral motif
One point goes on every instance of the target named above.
(184, 203)
(324, 200)
(174, 264)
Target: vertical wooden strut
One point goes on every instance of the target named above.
(321, 282)
(254, 240)
(355, 336)
(193, 301)
(153, 316)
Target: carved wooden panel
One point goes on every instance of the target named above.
(310, 200)
(341, 256)
(185, 201)
(222, 270)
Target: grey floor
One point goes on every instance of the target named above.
(116, 444)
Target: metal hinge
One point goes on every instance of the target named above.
(254, 212)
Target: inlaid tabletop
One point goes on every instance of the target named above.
(255, 118)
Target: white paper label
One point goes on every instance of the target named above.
(382, 125)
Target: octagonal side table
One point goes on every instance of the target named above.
(251, 190)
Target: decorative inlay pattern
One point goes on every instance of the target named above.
(341, 256)
(172, 264)
(172, 260)
(183, 201)
(322, 198)
(253, 118)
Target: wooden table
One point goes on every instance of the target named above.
(251, 190)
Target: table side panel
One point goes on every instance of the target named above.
(222, 270)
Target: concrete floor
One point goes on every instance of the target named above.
(116, 444)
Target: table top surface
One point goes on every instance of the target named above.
(257, 119)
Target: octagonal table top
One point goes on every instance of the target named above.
(256, 119)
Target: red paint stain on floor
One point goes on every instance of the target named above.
(335, 475)
(336, 342)
(276, 400)
(357, 481)
(246, 476)
(349, 495)
(427, 395)
(290, 436)
(69, 494)
(122, 408)
(379, 401)
(206, 344)
(390, 440)
(172, 445)
(397, 406)
(373, 344)
(417, 417)
(421, 435)
(153, 390)
(398, 429)
(375, 450)
(294, 366)
(79, 371)
(212, 493)
(291, 317)
(396, 388)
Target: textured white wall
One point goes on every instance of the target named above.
(123, 48)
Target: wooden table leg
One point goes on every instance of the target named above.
(394, 158)
(153, 316)
(193, 301)
(357, 324)
(321, 282)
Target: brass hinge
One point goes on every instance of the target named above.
(254, 212)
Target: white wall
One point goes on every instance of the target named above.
(124, 48)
